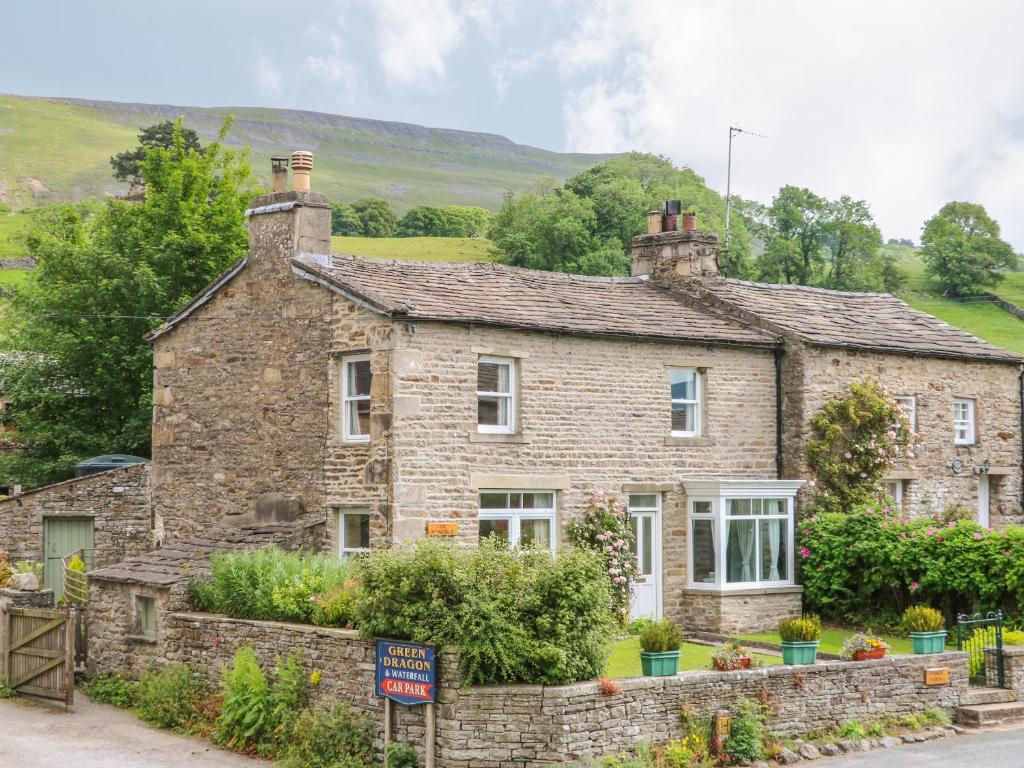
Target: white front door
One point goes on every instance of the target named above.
(645, 519)
(983, 516)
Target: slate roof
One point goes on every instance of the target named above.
(492, 294)
(180, 560)
(868, 321)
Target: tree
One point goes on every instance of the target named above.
(127, 165)
(344, 220)
(799, 216)
(854, 245)
(376, 217)
(80, 381)
(423, 221)
(962, 249)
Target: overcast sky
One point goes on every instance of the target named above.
(906, 104)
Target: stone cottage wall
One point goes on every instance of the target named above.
(116, 643)
(931, 484)
(531, 726)
(118, 501)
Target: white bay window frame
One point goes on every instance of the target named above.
(710, 500)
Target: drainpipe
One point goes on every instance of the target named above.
(778, 412)
(1021, 377)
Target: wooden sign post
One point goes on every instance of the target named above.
(407, 673)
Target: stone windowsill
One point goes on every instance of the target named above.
(506, 438)
(788, 589)
(140, 640)
(690, 441)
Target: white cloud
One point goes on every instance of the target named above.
(268, 76)
(906, 105)
(331, 63)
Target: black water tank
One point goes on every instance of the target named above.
(103, 463)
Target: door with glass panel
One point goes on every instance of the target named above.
(645, 520)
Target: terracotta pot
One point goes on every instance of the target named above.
(738, 664)
(874, 653)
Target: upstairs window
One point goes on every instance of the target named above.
(963, 421)
(686, 402)
(909, 403)
(355, 398)
(495, 394)
(524, 519)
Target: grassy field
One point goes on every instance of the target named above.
(12, 278)
(832, 640)
(625, 658)
(10, 223)
(457, 249)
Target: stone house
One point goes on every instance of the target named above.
(392, 400)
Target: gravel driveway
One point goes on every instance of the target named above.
(98, 736)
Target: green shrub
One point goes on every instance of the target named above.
(330, 738)
(171, 698)
(660, 636)
(804, 629)
(27, 566)
(636, 626)
(515, 616)
(746, 739)
(257, 715)
(400, 755)
(336, 608)
(921, 618)
(853, 730)
(112, 689)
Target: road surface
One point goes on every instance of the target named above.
(1002, 748)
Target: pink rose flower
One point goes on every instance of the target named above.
(913, 586)
(805, 553)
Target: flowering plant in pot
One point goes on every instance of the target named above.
(659, 648)
(731, 656)
(863, 646)
(927, 629)
(800, 639)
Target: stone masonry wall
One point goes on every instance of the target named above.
(532, 726)
(743, 610)
(116, 643)
(932, 485)
(241, 385)
(118, 501)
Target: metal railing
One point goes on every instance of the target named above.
(982, 638)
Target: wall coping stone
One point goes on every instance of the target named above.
(788, 589)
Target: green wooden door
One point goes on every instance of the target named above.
(61, 537)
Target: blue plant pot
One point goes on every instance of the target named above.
(928, 642)
(799, 651)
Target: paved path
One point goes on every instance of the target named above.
(1003, 748)
(98, 736)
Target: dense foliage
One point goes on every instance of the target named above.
(660, 636)
(854, 442)
(80, 380)
(800, 630)
(116, 690)
(921, 618)
(514, 616)
(376, 219)
(605, 529)
(447, 221)
(963, 250)
(171, 698)
(331, 737)
(128, 165)
(869, 564)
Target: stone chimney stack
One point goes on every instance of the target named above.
(667, 249)
(285, 223)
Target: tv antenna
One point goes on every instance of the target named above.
(733, 131)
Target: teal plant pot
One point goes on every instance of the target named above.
(661, 664)
(799, 651)
(928, 642)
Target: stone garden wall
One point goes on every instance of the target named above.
(532, 726)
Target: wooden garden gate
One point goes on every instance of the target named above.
(39, 652)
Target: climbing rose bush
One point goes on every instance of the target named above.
(855, 440)
(605, 529)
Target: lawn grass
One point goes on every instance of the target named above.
(625, 658)
(451, 249)
(832, 640)
(13, 278)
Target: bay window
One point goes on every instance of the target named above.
(521, 519)
(741, 533)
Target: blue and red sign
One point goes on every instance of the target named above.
(406, 672)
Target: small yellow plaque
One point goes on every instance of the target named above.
(936, 676)
(723, 725)
(442, 529)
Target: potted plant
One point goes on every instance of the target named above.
(800, 639)
(731, 656)
(659, 648)
(863, 646)
(927, 629)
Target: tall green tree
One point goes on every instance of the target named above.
(963, 250)
(799, 217)
(854, 247)
(79, 382)
(376, 217)
(127, 165)
(344, 220)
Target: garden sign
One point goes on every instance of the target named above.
(406, 672)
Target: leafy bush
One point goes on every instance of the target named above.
(660, 636)
(257, 716)
(853, 730)
(515, 616)
(112, 689)
(636, 626)
(27, 566)
(921, 618)
(336, 608)
(804, 629)
(171, 698)
(605, 530)
(746, 739)
(330, 738)
(400, 755)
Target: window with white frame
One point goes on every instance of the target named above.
(353, 532)
(909, 404)
(495, 394)
(355, 398)
(686, 401)
(963, 421)
(894, 490)
(741, 533)
(521, 519)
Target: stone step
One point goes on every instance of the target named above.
(990, 714)
(977, 696)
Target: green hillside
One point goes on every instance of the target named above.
(10, 223)
(452, 249)
(60, 149)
